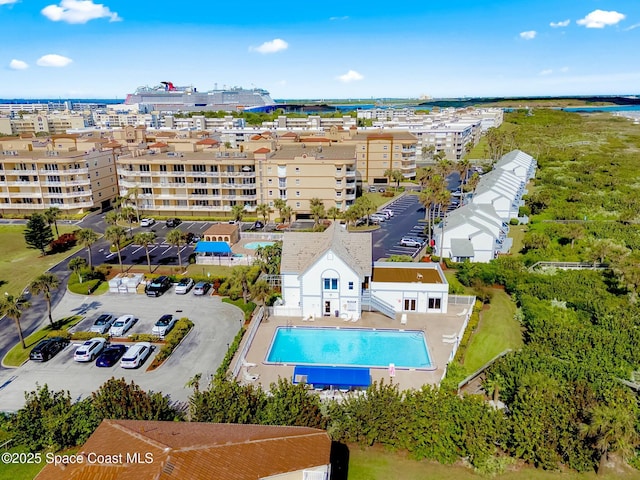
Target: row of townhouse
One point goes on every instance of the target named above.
(62, 171)
(54, 123)
(478, 230)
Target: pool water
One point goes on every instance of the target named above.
(256, 245)
(350, 346)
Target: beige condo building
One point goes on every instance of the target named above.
(191, 177)
(62, 171)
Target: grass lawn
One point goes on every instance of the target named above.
(20, 265)
(216, 271)
(497, 331)
(517, 233)
(17, 355)
(377, 464)
(20, 471)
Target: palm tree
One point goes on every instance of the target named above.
(423, 175)
(287, 213)
(45, 284)
(134, 192)
(52, 214)
(176, 238)
(280, 204)
(463, 167)
(145, 239)
(427, 198)
(128, 213)
(76, 265)
(11, 307)
(111, 218)
(264, 210)
(240, 275)
(87, 237)
(389, 174)
(352, 214)
(333, 212)
(116, 235)
(317, 210)
(260, 291)
(398, 177)
(612, 428)
(238, 212)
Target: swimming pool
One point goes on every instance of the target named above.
(350, 346)
(256, 245)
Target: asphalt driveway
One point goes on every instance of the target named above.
(201, 352)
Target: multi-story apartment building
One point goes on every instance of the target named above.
(377, 152)
(62, 171)
(203, 178)
(38, 123)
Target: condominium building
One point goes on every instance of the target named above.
(38, 123)
(210, 179)
(63, 171)
(377, 152)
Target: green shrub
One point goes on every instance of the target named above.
(83, 288)
(247, 308)
(172, 340)
(87, 335)
(144, 337)
(221, 373)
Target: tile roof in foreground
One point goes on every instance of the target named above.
(191, 450)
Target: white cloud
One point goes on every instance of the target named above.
(78, 11)
(350, 76)
(632, 27)
(548, 71)
(18, 65)
(273, 46)
(601, 19)
(564, 23)
(345, 17)
(564, 69)
(530, 35)
(53, 60)
(8, 2)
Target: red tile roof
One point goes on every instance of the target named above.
(208, 141)
(190, 450)
(158, 145)
(262, 150)
(256, 137)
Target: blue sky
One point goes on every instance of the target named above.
(330, 49)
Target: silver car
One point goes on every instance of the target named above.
(103, 323)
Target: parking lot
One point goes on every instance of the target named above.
(202, 351)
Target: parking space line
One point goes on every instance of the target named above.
(136, 250)
(155, 246)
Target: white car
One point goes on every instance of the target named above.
(121, 325)
(164, 325)
(184, 285)
(147, 222)
(136, 355)
(410, 242)
(377, 217)
(89, 350)
(388, 211)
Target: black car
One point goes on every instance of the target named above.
(111, 355)
(47, 348)
(158, 286)
(173, 222)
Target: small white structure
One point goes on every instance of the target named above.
(125, 282)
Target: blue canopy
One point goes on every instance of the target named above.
(216, 248)
(338, 377)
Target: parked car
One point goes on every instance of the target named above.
(377, 217)
(147, 222)
(410, 242)
(122, 325)
(191, 237)
(103, 323)
(372, 189)
(90, 350)
(184, 285)
(258, 225)
(382, 190)
(173, 222)
(48, 348)
(201, 288)
(158, 286)
(164, 325)
(136, 355)
(386, 215)
(111, 355)
(388, 211)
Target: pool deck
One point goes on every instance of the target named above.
(435, 325)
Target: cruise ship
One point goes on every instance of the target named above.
(167, 97)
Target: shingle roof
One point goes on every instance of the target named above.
(221, 229)
(301, 249)
(181, 450)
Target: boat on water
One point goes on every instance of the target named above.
(168, 97)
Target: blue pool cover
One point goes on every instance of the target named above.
(216, 248)
(338, 377)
